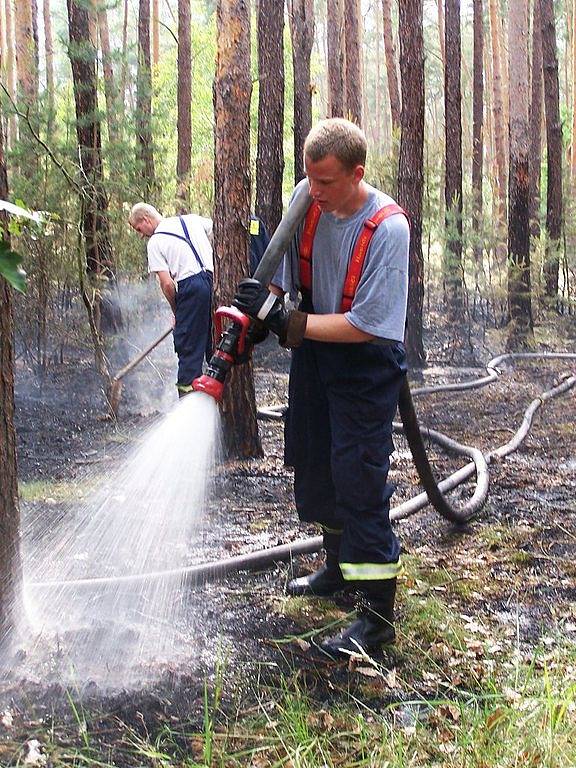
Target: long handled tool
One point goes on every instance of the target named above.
(115, 392)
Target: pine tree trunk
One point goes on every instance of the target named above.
(95, 226)
(145, 155)
(109, 82)
(11, 607)
(124, 66)
(49, 56)
(411, 164)
(554, 149)
(499, 115)
(519, 297)
(441, 32)
(352, 38)
(232, 89)
(10, 56)
(25, 53)
(270, 157)
(184, 157)
(573, 151)
(478, 130)
(391, 71)
(453, 178)
(301, 17)
(335, 61)
(535, 157)
(156, 31)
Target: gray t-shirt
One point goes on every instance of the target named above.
(379, 306)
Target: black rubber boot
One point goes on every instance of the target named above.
(327, 580)
(374, 626)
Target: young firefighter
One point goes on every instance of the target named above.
(348, 362)
(180, 253)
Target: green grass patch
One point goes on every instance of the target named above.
(55, 491)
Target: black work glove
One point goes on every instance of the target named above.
(256, 301)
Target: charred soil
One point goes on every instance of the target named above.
(509, 575)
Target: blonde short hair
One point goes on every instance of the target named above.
(338, 137)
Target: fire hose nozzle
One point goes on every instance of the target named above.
(232, 348)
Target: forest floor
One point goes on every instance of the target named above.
(476, 605)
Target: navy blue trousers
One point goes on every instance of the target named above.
(193, 328)
(338, 438)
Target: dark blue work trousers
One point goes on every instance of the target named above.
(193, 328)
(338, 438)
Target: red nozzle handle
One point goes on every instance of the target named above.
(234, 314)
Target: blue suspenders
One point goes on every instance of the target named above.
(185, 238)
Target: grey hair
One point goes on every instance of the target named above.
(141, 211)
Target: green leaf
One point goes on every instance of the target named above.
(10, 267)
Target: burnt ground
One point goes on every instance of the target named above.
(508, 575)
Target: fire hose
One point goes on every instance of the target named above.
(233, 347)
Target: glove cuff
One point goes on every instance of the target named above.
(295, 329)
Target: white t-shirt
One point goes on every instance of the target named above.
(169, 253)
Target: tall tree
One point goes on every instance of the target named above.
(477, 127)
(335, 61)
(9, 59)
(145, 155)
(554, 148)
(49, 55)
(520, 327)
(301, 19)
(25, 53)
(270, 156)
(94, 202)
(110, 91)
(184, 156)
(391, 71)
(453, 179)
(353, 45)
(10, 562)
(232, 90)
(498, 112)
(535, 156)
(156, 31)
(411, 164)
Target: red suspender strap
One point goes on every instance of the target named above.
(306, 243)
(360, 250)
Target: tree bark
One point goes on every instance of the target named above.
(478, 130)
(391, 71)
(25, 53)
(554, 149)
(110, 92)
(353, 38)
(519, 297)
(184, 157)
(232, 89)
(335, 62)
(535, 156)
(453, 178)
(499, 115)
(145, 154)
(95, 228)
(49, 56)
(270, 158)
(156, 31)
(11, 607)
(10, 64)
(301, 18)
(411, 164)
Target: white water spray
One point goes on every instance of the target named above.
(141, 519)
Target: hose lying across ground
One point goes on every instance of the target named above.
(199, 574)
